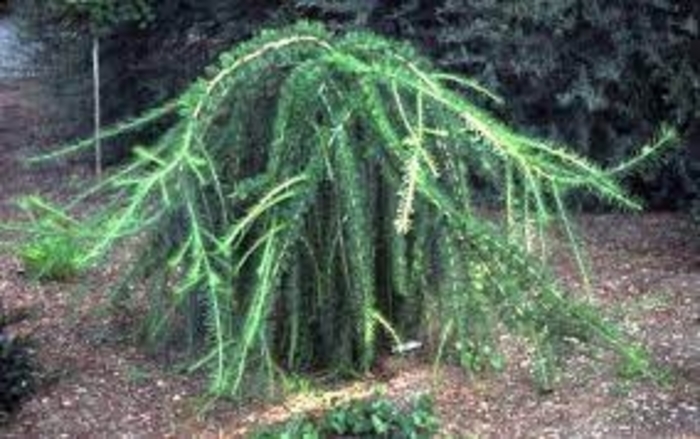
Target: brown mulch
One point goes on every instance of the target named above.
(98, 383)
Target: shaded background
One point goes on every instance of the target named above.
(601, 76)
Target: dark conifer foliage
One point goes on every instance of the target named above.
(17, 379)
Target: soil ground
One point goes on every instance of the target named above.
(98, 383)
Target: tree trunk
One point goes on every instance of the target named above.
(96, 97)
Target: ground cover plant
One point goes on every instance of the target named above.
(319, 198)
(374, 417)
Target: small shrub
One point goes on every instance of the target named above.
(16, 368)
(375, 417)
(50, 258)
(54, 255)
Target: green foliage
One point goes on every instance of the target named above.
(569, 69)
(375, 417)
(314, 200)
(52, 250)
(17, 379)
(573, 73)
(50, 258)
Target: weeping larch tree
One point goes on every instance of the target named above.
(315, 202)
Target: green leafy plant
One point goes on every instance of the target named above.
(374, 417)
(316, 199)
(299, 427)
